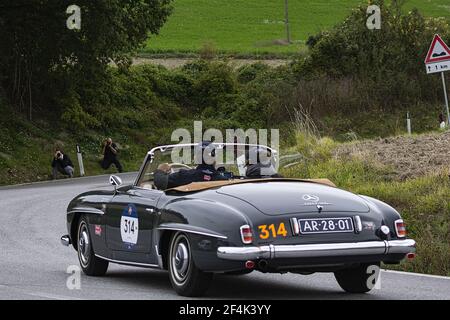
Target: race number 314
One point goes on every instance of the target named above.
(129, 227)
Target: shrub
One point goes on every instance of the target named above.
(249, 73)
(208, 51)
(214, 85)
(387, 64)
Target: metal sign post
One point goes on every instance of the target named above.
(80, 160)
(446, 98)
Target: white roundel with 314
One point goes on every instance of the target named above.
(129, 225)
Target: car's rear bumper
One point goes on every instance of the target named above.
(317, 250)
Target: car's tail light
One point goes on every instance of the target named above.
(400, 228)
(246, 234)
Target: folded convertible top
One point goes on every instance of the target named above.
(199, 186)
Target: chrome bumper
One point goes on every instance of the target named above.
(317, 250)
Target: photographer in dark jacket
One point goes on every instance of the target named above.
(110, 155)
(61, 163)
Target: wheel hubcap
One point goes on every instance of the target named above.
(84, 245)
(180, 259)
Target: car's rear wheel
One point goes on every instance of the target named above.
(359, 279)
(186, 278)
(89, 262)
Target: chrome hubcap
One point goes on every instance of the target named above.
(180, 259)
(84, 245)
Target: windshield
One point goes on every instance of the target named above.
(179, 165)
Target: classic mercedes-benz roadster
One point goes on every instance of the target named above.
(236, 224)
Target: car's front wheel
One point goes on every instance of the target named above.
(186, 278)
(359, 279)
(89, 262)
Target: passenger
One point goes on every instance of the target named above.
(163, 179)
(259, 164)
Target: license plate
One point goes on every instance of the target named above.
(325, 225)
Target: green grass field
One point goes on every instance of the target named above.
(253, 26)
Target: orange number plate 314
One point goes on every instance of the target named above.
(272, 230)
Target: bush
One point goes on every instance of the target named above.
(214, 85)
(249, 73)
(75, 118)
(387, 64)
(208, 50)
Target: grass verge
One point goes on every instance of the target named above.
(423, 201)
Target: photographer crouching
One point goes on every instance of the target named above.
(61, 163)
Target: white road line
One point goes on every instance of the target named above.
(50, 296)
(39, 294)
(417, 274)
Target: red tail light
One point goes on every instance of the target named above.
(400, 228)
(246, 234)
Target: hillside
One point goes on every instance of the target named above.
(409, 173)
(412, 174)
(407, 156)
(221, 24)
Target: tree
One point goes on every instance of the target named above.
(36, 46)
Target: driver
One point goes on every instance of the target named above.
(163, 179)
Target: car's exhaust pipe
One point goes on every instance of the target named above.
(262, 265)
(411, 255)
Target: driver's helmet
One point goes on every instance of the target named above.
(259, 155)
(259, 163)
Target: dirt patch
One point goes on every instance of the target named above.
(408, 156)
(172, 63)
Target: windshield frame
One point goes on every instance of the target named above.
(164, 148)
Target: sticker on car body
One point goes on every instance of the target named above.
(129, 225)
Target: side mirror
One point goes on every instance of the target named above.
(115, 181)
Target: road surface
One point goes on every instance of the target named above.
(33, 263)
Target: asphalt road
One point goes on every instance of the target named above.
(33, 263)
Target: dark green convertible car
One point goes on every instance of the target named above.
(235, 225)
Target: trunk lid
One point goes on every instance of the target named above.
(288, 197)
